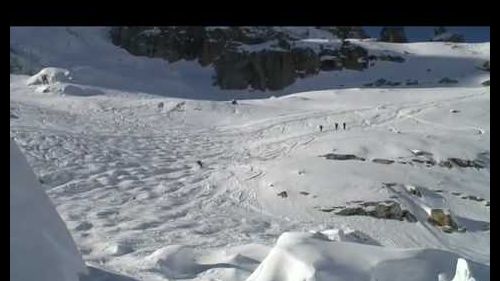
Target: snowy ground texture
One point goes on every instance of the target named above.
(275, 199)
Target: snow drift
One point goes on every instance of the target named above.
(313, 257)
(41, 247)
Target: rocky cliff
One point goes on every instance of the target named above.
(260, 58)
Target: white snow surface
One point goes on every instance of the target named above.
(301, 256)
(41, 248)
(120, 167)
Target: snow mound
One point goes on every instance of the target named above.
(50, 75)
(463, 271)
(41, 248)
(74, 90)
(68, 89)
(314, 257)
(56, 80)
(175, 261)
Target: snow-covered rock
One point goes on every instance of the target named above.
(50, 75)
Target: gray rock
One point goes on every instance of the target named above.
(241, 68)
(382, 161)
(442, 220)
(383, 210)
(447, 80)
(283, 194)
(393, 35)
(334, 156)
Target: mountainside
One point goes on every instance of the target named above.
(221, 63)
(160, 172)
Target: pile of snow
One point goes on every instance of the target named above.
(69, 89)
(76, 90)
(41, 247)
(55, 80)
(50, 75)
(313, 257)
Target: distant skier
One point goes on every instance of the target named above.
(343, 125)
(234, 102)
(321, 128)
(336, 126)
(160, 105)
(45, 80)
(199, 163)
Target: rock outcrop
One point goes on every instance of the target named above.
(260, 58)
(395, 34)
(441, 34)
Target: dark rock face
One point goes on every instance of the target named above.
(447, 80)
(442, 35)
(382, 82)
(283, 194)
(264, 70)
(393, 35)
(333, 156)
(353, 57)
(354, 32)
(237, 64)
(463, 163)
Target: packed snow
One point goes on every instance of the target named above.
(41, 248)
(159, 176)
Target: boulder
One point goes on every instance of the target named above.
(442, 220)
(382, 161)
(334, 156)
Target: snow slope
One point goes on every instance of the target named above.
(121, 168)
(41, 247)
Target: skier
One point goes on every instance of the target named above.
(336, 126)
(160, 105)
(321, 128)
(199, 163)
(45, 80)
(234, 102)
(343, 125)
